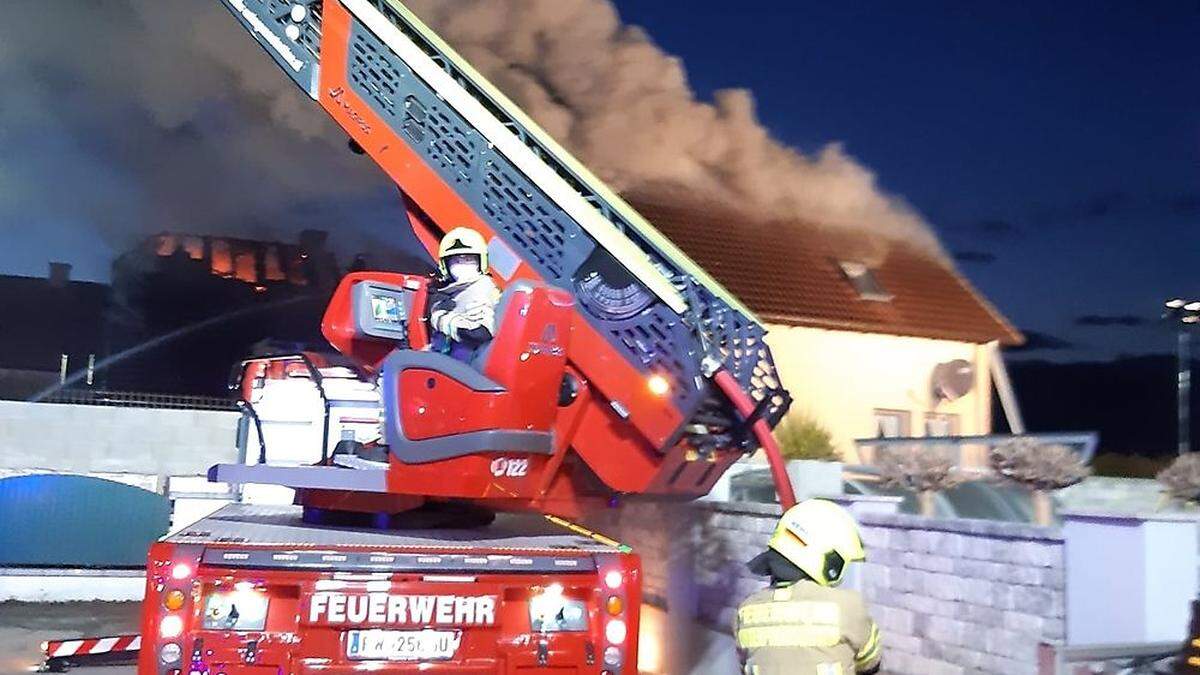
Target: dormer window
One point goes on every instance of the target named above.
(862, 278)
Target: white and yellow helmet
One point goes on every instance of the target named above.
(819, 537)
(462, 241)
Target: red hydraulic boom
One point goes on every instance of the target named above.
(619, 366)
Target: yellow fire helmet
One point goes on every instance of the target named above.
(819, 537)
(462, 241)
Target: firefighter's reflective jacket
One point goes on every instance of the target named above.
(463, 315)
(806, 629)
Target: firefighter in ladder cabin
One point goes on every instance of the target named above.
(463, 303)
(803, 624)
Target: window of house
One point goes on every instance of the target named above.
(892, 423)
(863, 279)
(941, 424)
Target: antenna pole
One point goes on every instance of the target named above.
(1185, 391)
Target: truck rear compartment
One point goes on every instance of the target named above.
(254, 589)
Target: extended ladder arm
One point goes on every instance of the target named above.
(466, 155)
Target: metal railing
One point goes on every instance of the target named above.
(1141, 658)
(1083, 442)
(314, 374)
(136, 399)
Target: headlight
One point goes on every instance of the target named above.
(615, 631)
(552, 612)
(170, 653)
(243, 609)
(170, 627)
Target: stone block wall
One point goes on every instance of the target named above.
(963, 596)
(951, 596)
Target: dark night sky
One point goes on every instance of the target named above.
(1054, 146)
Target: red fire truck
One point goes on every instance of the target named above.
(618, 368)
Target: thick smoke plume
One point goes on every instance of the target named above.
(126, 117)
(121, 118)
(613, 97)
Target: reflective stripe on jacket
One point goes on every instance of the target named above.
(806, 629)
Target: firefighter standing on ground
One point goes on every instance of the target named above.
(463, 303)
(803, 624)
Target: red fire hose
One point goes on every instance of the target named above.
(745, 406)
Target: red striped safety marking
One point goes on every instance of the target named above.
(105, 645)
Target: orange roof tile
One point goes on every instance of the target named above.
(789, 273)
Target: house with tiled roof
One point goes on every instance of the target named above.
(872, 337)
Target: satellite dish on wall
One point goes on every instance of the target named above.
(953, 379)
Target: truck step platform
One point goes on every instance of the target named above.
(255, 535)
(361, 478)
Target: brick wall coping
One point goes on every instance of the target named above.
(1161, 516)
(968, 526)
(863, 499)
(741, 508)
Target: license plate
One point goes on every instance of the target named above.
(403, 645)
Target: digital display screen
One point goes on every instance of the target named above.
(381, 310)
(387, 310)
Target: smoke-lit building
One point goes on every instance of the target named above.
(261, 264)
(186, 307)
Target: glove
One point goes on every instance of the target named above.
(482, 315)
(460, 324)
(457, 322)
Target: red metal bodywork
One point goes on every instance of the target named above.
(292, 643)
(596, 452)
(528, 358)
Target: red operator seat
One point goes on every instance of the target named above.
(437, 407)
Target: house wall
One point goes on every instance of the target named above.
(842, 377)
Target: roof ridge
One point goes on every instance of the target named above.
(1017, 337)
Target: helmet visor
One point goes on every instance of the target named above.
(462, 258)
(834, 567)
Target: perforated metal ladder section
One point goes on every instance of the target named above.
(280, 27)
(655, 338)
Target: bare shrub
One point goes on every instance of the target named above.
(1181, 480)
(917, 468)
(1037, 466)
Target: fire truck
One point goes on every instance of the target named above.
(257, 589)
(619, 370)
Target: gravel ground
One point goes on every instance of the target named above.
(23, 627)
